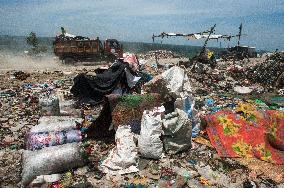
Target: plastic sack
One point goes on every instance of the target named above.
(177, 132)
(149, 142)
(56, 123)
(49, 106)
(177, 80)
(67, 108)
(123, 158)
(50, 160)
(40, 140)
(171, 82)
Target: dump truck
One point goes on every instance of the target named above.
(72, 49)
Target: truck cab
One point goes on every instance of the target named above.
(112, 46)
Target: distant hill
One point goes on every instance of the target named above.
(17, 44)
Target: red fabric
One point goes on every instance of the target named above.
(255, 134)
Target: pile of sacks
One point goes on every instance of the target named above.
(162, 130)
(53, 145)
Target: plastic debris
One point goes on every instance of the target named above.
(242, 89)
(46, 178)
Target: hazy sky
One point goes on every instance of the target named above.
(137, 20)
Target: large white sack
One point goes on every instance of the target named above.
(123, 158)
(55, 123)
(172, 82)
(177, 80)
(149, 142)
(50, 160)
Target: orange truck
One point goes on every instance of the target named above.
(77, 48)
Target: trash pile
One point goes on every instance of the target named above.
(159, 54)
(123, 126)
(21, 75)
(270, 72)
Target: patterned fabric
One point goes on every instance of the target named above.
(248, 132)
(40, 140)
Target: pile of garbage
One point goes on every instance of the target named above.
(21, 75)
(159, 54)
(270, 72)
(64, 36)
(126, 127)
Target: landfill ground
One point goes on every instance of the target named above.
(198, 167)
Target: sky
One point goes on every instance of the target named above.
(137, 20)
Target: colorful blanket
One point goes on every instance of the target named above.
(248, 132)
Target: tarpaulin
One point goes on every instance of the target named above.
(92, 89)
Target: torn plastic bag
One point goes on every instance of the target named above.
(93, 88)
(131, 79)
(51, 160)
(186, 103)
(46, 178)
(56, 123)
(123, 158)
(49, 106)
(177, 132)
(242, 89)
(149, 142)
(40, 140)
